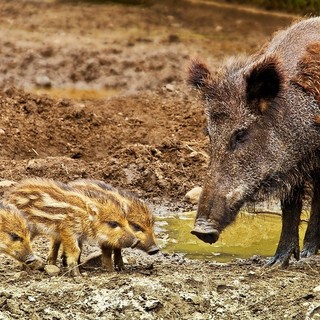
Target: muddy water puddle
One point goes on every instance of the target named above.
(251, 234)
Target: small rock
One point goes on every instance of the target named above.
(35, 316)
(152, 304)
(2, 131)
(193, 195)
(6, 183)
(52, 270)
(170, 87)
(31, 298)
(173, 38)
(316, 289)
(20, 275)
(35, 164)
(13, 307)
(3, 300)
(43, 81)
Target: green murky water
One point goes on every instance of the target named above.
(251, 234)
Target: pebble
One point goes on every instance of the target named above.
(193, 195)
(43, 81)
(13, 307)
(316, 289)
(152, 304)
(52, 270)
(20, 275)
(170, 87)
(6, 183)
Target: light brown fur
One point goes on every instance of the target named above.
(15, 235)
(137, 212)
(70, 217)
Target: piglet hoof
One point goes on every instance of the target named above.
(119, 265)
(74, 272)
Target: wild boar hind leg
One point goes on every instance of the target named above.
(311, 242)
(289, 239)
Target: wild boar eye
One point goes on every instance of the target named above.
(15, 237)
(113, 224)
(238, 138)
(136, 227)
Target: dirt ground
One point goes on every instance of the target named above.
(133, 122)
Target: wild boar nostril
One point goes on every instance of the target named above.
(153, 250)
(135, 243)
(30, 259)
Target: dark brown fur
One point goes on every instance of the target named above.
(262, 114)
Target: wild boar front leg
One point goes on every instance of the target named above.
(106, 257)
(71, 250)
(118, 262)
(289, 239)
(311, 242)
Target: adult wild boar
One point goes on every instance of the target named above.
(262, 115)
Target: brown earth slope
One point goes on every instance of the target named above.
(120, 111)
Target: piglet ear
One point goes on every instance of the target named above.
(199, 75)
(264, 80)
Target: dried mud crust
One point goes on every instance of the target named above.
(148, 138)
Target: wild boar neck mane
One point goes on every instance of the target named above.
(261, 125)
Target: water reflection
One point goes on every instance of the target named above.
(251, 234)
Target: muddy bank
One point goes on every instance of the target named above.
(146, 135)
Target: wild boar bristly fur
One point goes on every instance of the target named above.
(137, 213)
(262, 114)
(15, 239)
(69, 217)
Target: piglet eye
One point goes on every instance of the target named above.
(238, 138)
(136, 227)
(15, 237)
(113, 224)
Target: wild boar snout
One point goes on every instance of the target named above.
(153, 249)
(29, 259)
(205, 231)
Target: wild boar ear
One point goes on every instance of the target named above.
(199, 75)
(308, 75)
(264, 82)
